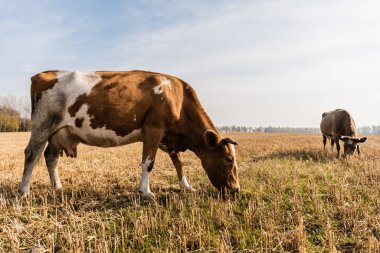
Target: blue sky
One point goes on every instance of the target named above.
(254, 63)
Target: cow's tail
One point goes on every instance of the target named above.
(33, 93)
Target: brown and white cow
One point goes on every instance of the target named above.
(339, 125)
(109, 109)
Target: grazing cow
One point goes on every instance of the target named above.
(108, 109)
(339, 125)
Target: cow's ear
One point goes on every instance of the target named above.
(362, 139)
(211, 138)
(343, 138)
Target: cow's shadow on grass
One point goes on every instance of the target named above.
(84, 199)
(318, 156)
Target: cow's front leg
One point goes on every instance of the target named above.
(151, 139)
(337, 146)
(358, 149)
(177, 160)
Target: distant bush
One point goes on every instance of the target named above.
(14, 115)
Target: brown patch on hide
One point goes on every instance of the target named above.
(79, 122)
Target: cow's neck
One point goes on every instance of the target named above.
(195, 125)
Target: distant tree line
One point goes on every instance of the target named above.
(307, 130)
(369, 130)
(14, 114)
(269, 129)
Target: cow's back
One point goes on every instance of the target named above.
(337, 122)
(107, 108)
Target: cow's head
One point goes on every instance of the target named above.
(350, 144)
(219, 161)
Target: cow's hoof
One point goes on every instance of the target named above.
(190, 189)
(147, 195)
(23, 192)
(57, 190)
(183, 184)
(57, 186)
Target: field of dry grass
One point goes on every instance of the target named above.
(294, 198)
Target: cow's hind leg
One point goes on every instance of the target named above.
(51, 158)
(42, 127)
(332, 146)
(178, 164)
(152, 137)
(324, 142)
(32, 153)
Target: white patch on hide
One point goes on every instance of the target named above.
(184, 184)
(158, 89)
(71, 85)
(68, 87)
(144, 183)
(76, 83)
(101, 137)
(233, 151)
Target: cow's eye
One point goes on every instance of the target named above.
(229, 159)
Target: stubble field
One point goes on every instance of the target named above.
(294, 198)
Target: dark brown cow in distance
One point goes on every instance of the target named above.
(108, 109)
(339, 125)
